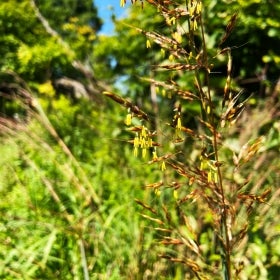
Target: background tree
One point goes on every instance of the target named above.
(53, 54)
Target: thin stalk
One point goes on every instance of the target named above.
(224, 228)
(206, 65)
(84, 259)
(196, 72)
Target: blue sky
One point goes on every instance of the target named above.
(105, 9)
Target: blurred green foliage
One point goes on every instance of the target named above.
(47, 206)
(68, 177)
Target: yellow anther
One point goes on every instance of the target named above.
(177, 36)
(208, 109)
(209, 177)
(144, 152)
(143, 131)
(215, 177)
(179, 124)
(136, 142)
(199, 7)
(155, 154)
(128, 119)
(157, 191)
(163, 166)
(135, 151)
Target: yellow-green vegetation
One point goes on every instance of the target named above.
(153, 156)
